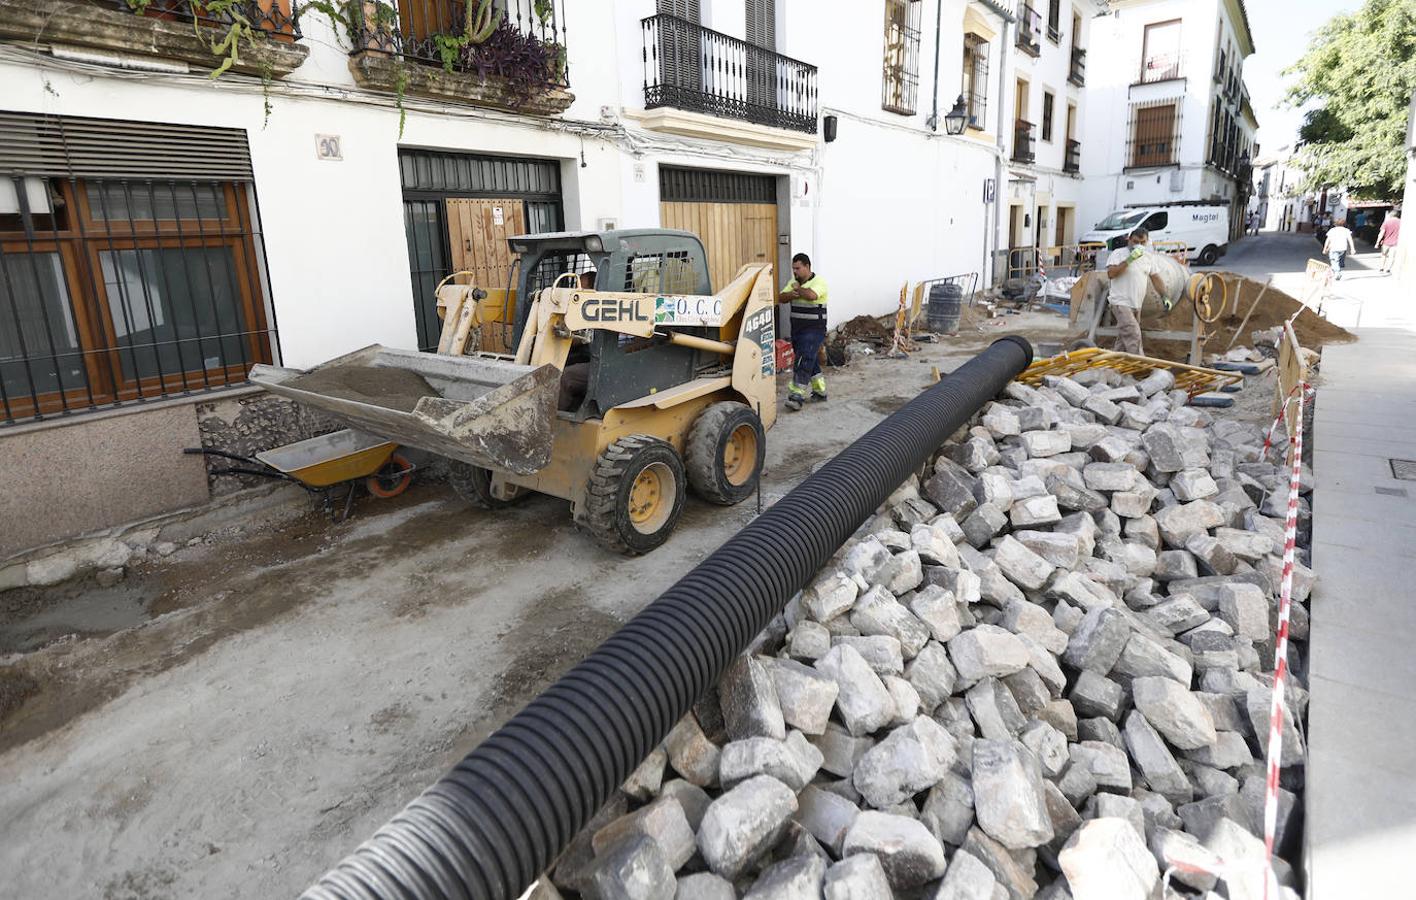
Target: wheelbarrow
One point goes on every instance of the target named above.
(323, 464)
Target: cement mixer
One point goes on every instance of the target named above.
(1204, 296)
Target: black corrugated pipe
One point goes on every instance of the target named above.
(489, 827)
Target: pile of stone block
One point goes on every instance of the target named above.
(1042, 670)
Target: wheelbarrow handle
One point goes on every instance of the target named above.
(206, 451)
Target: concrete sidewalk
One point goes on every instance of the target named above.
(1361, 775)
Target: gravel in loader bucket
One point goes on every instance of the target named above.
(488, 412)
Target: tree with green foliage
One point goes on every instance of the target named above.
(1361, 68)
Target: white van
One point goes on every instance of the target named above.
(1203, 227)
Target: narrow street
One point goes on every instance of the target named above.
(268, 700)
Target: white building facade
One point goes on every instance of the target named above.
(1277, 199)
(162, 230)
(1170, 118)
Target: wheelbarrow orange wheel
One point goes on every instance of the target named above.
(393, 479)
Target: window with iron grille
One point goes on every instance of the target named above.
(125, 274)
(1161, 52)
(901, 76)
(1154, 133)
(1054, 20)
(1048, 102)
(975, 83)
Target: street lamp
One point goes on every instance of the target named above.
(954, 121)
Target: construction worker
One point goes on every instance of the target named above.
(806, 293)
(1128, 269)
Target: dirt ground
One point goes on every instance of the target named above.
(232, 720)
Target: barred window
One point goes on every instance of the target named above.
(115, 289)
(1048, 103)
(1154, 133)
(901, 76)
(975, 83)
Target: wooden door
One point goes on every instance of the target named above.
(733, 234)
(477, 232)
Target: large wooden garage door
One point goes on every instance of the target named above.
(733, 213)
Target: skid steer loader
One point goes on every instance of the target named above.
(617, 398)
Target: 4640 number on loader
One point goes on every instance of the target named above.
(618, 396)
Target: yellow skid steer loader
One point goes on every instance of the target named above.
(617, 398)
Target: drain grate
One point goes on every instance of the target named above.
(1391, 492)
(1403, 469)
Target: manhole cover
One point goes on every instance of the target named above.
(1404, 469)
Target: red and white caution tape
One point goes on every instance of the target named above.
(1285, 602)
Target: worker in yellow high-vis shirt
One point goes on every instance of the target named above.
(806, 293)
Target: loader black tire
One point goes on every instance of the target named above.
(635, 495)
(474, 484)
(725, 452)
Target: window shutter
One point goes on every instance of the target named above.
(684, 9)
(762, 23)
(67, 146)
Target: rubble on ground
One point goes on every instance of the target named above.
(1042, 669)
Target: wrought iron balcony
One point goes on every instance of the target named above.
(526, 45)
(1161, 67)
(1072, 158)
(1029, 30)
(689, 67)
(280, 19)
(1078, 73)
(1023, 149)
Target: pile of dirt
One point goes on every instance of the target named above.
(377, 385)
(1275, 308)
(867, 329)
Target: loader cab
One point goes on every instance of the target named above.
(646, 261)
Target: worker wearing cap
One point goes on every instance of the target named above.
(1128, 268)
(806, 293)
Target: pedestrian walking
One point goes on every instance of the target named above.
(1337, 245)
(1387, 238)
(1253, 223)
(806, 293)
(1128, 269)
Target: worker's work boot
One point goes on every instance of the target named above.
(818, 388)
(796, 396)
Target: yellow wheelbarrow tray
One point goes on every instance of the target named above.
(322, 463)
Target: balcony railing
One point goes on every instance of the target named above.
(1072, 158)
(528, 36)
(1078, 73)
(689, 67)
(1029, 30)
(1023, 141)
(1161, 67)
(280, 19)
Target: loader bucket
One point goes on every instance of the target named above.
(488, 412)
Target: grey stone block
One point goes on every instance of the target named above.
(794, 763)
(937, 609)
(1194, 866)
(1008, 795)
(900, 574)
(1102, 729)
(1028, 689)
(994, 709)
(749, 701)
(643, 783)
(1097, 643)
(840, 750)
(704, 886)
(1245, 608)
(951, 489)
(986, 650)
(1013, 870)
(1108, 765)
(934, 545)
(1174, 565)
(797, 878)
(1034, 511)
(1193, 484)
(826, 815)
(863, 701)
(805, 695)
(983, 523)
(859, 877)
(691, 754)
(908, 853)
(949, 808)
(1106, 860)
(878, 612)
(633, 869)
(880, 651)
(1048, 745)
(1094, 694)
(1162, 772)
(1174, 711)
(662, 821)
(1144, 656)
(691, 798)
(912, 758)
(743, 824)
(1211, 555)
(1181, 522)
